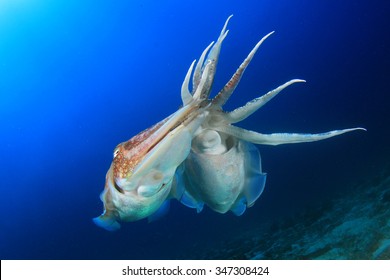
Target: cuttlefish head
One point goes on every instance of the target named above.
(140, 177)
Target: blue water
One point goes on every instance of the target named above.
(79, 77)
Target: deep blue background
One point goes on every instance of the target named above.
(78, 77)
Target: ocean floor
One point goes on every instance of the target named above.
(355, 225)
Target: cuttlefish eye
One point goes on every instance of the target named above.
(116, 151)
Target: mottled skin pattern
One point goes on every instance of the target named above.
(128, 154)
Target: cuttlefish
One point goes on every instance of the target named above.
(197, 155)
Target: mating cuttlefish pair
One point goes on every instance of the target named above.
(195, 155)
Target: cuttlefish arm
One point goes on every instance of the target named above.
(248, 109)
(227, 118)
(280, 138)
(222, 121)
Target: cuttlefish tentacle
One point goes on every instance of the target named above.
(252, 106)
(186, 95)
(279, 138)
(198, 69)
(221, 121)
(221, 98)
(203, 86)
(212, 58)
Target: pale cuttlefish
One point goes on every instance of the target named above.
(196, 155)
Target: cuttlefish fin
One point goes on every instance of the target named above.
(239, 207)
(189, 201)
(107, 222)
(254, 177)
(180, 193)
